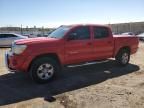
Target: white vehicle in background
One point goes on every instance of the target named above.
(6, 39)
(141, 36)
(30, 35)
(128, 33)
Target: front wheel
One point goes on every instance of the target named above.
(43, 69)
(123, 57)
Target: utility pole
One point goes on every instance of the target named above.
(42, 30)
(130, 29)
(27, 29)
(21, 30)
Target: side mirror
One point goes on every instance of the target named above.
(72, 36)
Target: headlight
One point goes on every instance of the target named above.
(18, 49)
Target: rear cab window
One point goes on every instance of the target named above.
(100, 32)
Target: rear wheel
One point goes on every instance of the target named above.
(123, 57)
(43, 69)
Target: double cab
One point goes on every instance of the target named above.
(43, 57)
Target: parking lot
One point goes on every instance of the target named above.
(105, 85)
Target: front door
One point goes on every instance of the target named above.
(78, 47)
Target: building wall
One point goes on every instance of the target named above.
(136, 27)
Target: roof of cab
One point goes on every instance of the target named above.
(73, 25)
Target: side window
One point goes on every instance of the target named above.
(80, 33)
(2, 36)
(101, 32)
(10, 35)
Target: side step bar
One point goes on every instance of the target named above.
(87, 63)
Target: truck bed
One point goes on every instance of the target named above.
(125, 40)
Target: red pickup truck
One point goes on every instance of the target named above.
(42, 57)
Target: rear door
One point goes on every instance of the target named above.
(103, 43)
(79, 48)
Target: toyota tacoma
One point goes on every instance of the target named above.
(43, 57)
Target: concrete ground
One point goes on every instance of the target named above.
(105, 85)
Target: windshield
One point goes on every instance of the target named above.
(59, 32)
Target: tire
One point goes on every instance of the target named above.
(43, 69)
(123, 57)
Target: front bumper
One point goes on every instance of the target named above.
(7, 55)
(17, 63)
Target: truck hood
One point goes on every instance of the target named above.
(35, 40)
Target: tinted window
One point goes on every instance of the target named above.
(9, 35)
(101, 32)
(2, 36)
(81, 33)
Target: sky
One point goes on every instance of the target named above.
(53, 13)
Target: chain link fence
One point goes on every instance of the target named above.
(27, 31)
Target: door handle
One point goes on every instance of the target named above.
(89, 43)
(109, 42)
(73, 52)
